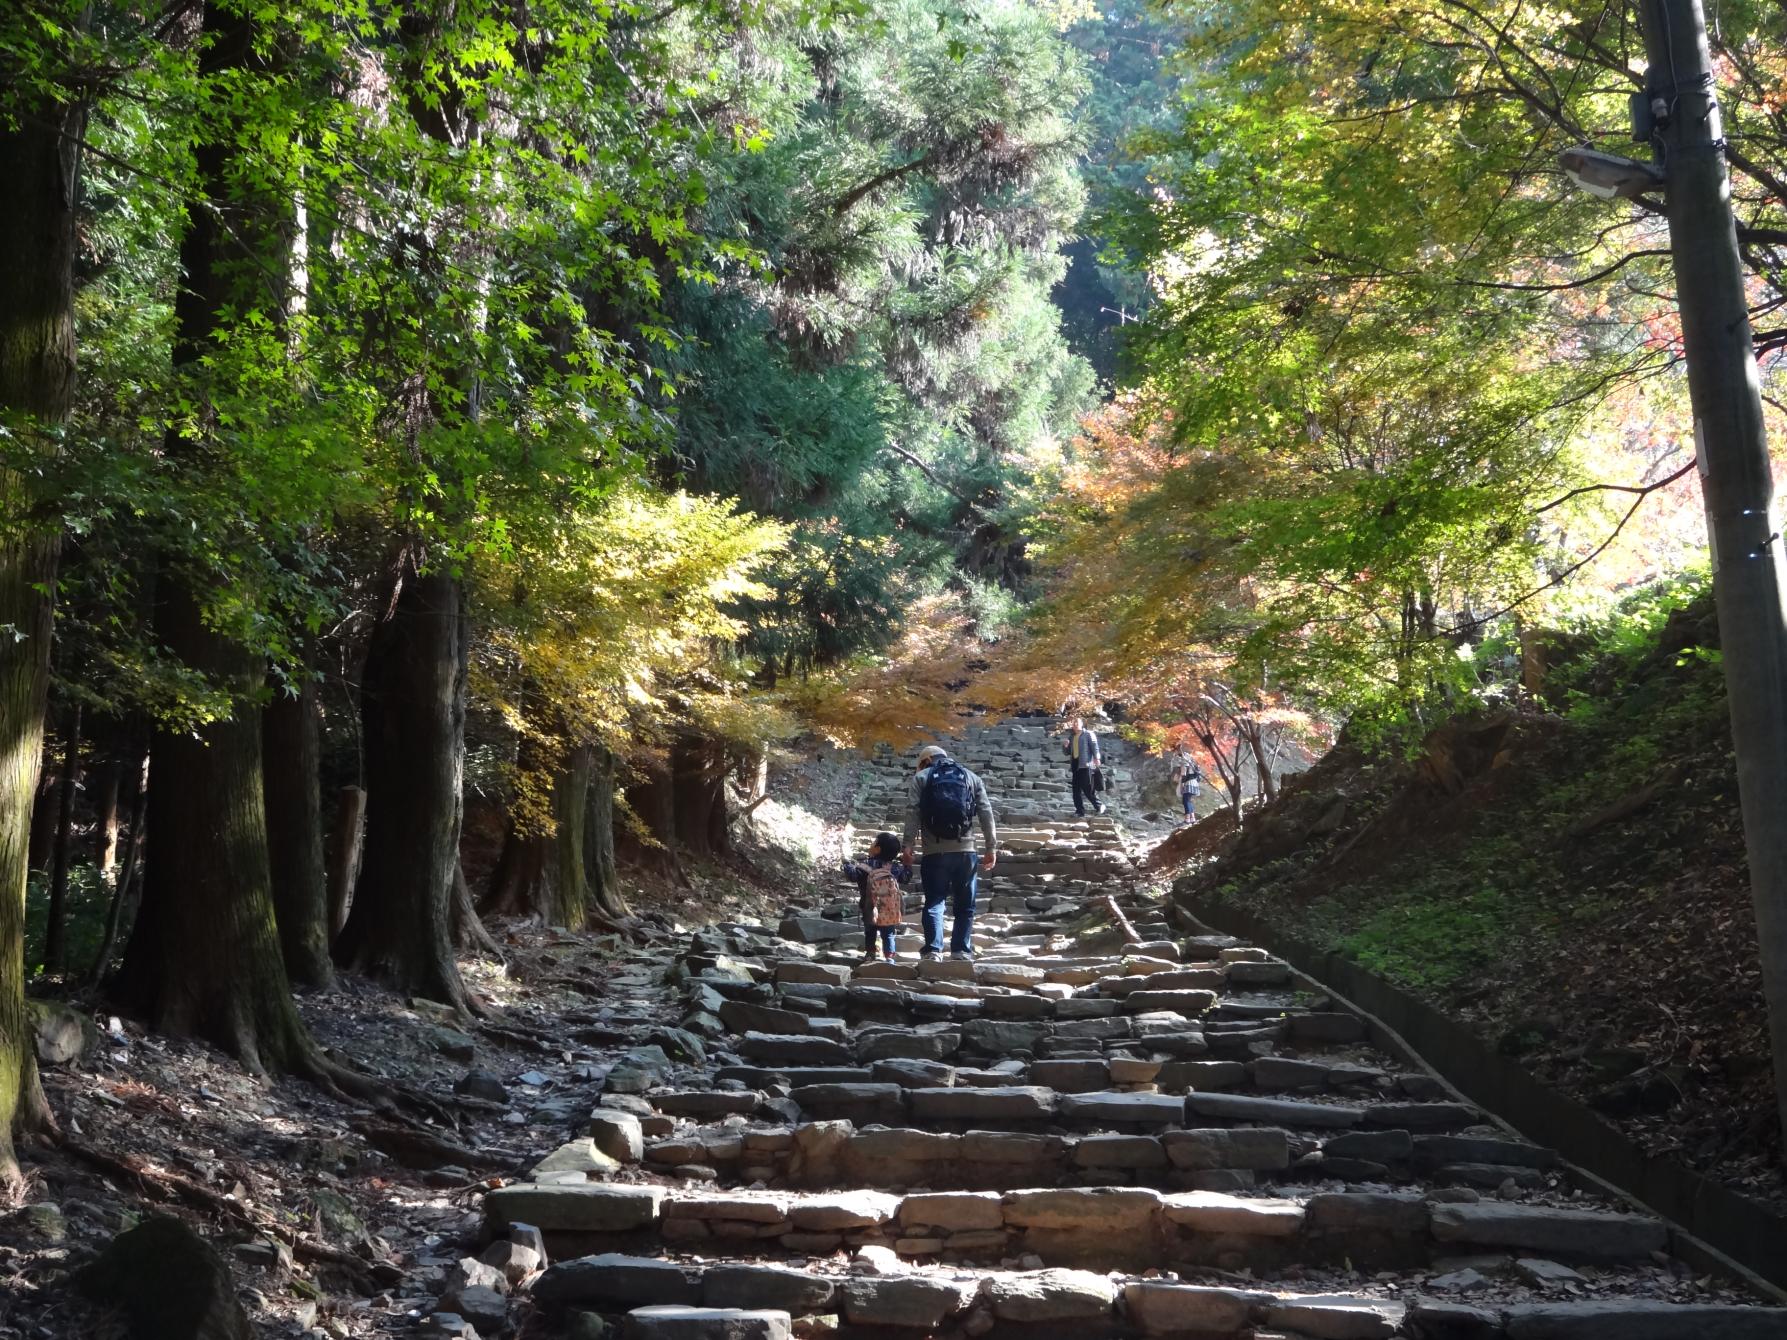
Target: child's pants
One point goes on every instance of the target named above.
(870, 930)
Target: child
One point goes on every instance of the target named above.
(1187, 774)
(879, 876)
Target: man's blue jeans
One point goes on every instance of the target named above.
(949, 875)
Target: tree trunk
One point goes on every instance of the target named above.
(698, 779)
(413, 712)
(598, 837)
(694, 817)
(43, 818)
(204, 958)
(652, 801)
(564, 898)
(108, 793)
(515, 875)
(543, 874)
(1228, 770)
(521, 862)
(469, 931)
(127, 876)
(344, 855)
(1262, 760)
(55, 932)
(290, 741)
(39, 164)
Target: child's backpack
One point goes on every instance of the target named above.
(947, 804)
(884, 897)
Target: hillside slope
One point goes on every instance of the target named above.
(1572, 885)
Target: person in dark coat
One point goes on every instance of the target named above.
(1081, 747)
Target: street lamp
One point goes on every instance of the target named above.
(1608, 175)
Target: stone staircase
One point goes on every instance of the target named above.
(1081, 1131)
(1042, 843)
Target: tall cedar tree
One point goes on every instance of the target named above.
(37, 377)
(205, 955)
(412, 710)
(291, 747)
(413, 687)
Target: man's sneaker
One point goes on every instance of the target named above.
(960, 957)
(930, 956)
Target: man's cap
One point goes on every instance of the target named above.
(931, 751)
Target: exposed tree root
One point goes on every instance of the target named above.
(33, 1121)
(162, 1186)
(1122, 922)
(545, 1043)
(414, 1147)
(361, 1090)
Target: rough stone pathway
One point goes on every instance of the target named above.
(1168, 1135)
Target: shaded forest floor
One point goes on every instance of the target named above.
(1573, 885)
(339, 1222)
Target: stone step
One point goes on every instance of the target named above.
(924, 1303)
(818, 1025)
(1172, 1064)
(1003, 1153)
(1109, 1227)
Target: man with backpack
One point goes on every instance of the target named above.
(944, 802)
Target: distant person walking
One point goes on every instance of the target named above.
(1189, 778)
(1081, 748)
(944, 802)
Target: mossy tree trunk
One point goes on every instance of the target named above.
(412, 711)
(652, 800)
(599, 866)
(291, 748)
(545, 874)
(204, 959)
(38, 162)
(698, 768)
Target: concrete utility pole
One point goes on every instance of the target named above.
(1737, 483)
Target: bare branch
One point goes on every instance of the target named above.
(1639, 489)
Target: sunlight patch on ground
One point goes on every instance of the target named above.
(798, 832)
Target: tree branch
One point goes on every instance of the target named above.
(940, 482)
(886, 176)
(1639, 489)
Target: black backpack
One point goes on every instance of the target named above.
(946, 802)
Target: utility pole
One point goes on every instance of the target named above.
(1737, 483)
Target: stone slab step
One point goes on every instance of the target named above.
(1109, 1226)
(1220, 1158)
(716, 1294)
